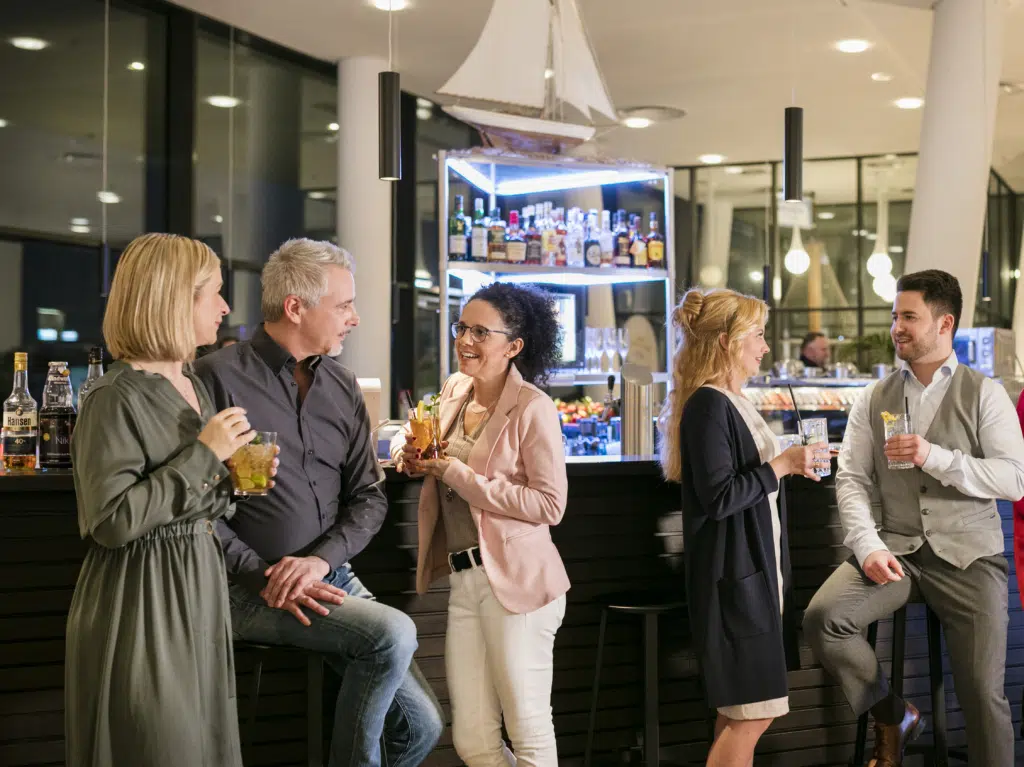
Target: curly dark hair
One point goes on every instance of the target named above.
(529, 314)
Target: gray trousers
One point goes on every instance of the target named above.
(971, 605)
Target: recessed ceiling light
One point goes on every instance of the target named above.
(29, 43)
(895, 248)
(218, 219)
(881, 77)
(391, 5)
(734, 170)
(79, 222)
(424, 114)
(909, 102)
(3, 123)
(548, 74)
(333, 126)
(224, 102)
(137, 66)
(425, 103)
(80, 229)
(317, 195)
(852, 46)
(826, 215)
(108, 198)
(712, 159)
(637, 122)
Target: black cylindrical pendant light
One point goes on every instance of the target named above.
(766, 284)
(390, 98)
(793, 155)
(986, 289)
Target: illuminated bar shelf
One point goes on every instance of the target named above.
(559, 275)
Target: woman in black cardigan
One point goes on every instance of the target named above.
(734, 525)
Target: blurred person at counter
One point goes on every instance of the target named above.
(149, 672)
(738, 583)
(814, 350)
(940, 537)
(485, 516)
(286, 550)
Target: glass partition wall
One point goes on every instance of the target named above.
(835, 258)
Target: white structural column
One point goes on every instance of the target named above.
(364, 223)
(948, 213)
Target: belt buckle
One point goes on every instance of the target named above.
(451, 563)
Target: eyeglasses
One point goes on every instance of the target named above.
(478, 332)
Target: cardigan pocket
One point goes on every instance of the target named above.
(746, 606)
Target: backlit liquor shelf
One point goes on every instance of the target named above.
(824, 396)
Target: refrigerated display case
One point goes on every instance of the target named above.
(510, 181)
(826, 398)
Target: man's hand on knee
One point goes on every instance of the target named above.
(289, 578)
(312, 597)
(882, 567)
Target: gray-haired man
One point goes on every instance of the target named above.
(325, 507)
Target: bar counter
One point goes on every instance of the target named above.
(622, 531)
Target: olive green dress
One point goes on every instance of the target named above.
(149, 672)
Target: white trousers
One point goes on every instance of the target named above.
(500, 663)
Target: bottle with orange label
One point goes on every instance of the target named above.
(655, 245)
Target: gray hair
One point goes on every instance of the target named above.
(299, 268)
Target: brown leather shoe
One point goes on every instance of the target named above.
(891, 739)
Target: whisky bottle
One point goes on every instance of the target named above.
(21, 434)
(606, 238)
(515, 243)
(496, 238)
(94, 374)
(621, 257)
(479, 235)
(457, 232)
(534, 246)
(56, 418)
(592, 245)
(637, 243)
(655, 246)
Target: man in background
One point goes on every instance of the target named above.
(814, 350)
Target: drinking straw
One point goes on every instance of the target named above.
(906, 409)
(799, 419)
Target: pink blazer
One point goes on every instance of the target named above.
(516, 487)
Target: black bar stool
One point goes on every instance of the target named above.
(314, 698)
(938, 749)
(651, 606)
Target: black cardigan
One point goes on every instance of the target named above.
(742, 642)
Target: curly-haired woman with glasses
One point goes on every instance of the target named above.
(485, 514)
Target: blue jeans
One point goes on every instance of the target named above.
(370, 646)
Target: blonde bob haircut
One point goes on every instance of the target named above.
(149, 310)
(701, 358)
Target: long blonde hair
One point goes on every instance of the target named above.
(149, 311)
(700, 359)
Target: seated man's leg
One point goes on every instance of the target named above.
(971, 605)
(414, 723)
(834, 624)
(372, 642)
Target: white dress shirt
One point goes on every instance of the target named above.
(1000, 474)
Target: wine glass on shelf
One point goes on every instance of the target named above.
(623, 345)
(589, 352)
(609, 346)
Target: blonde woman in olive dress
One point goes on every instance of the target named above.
(149, 675)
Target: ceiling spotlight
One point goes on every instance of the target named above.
(80, 229)
(391, 5)
(826, 215)
(637, 122)
(218, 219)
(3, 123)
(317, 195)
(137, 66)
(333, 126)
(734, 170)
(712, 159)
(29, 43)
(909, 102)
(756, 276)
(881, 77)
(852, 46)
(223, 102)
(424, 103)
(79, 222)
(108, 198)
(895, 248)
(548, 74)
(424, 113)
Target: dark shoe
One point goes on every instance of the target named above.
(891, 739)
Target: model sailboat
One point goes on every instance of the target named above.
(548, 35)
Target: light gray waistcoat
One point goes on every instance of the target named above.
(917, 507)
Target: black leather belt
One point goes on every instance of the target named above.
(464, 560)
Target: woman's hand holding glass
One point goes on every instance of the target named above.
(410, 461)
(801, 460)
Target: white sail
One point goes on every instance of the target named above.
(508, 61)
(577, 78)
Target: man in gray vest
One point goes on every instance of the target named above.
(940, 537)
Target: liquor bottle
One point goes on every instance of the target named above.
(479, 235)
(606, 238)
(496, 237)
(457, 232)
(637, 243)
(558, 238)
(547, 237)
(592, 245)
(21, 434)
(515, 243)
(56, 418)
(574, 239)
(655, 246)
(534, 252)
(622, 257)
(94, 374)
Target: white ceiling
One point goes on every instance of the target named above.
(733, 65)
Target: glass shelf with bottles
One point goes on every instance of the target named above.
(809, 398)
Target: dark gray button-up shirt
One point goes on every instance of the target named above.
(329, 499)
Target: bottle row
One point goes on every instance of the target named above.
(42, 437)
(547, 236)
